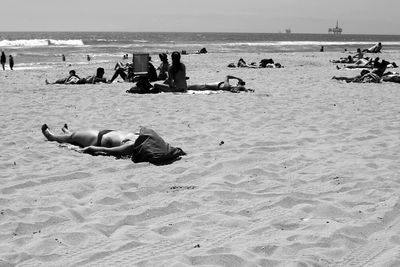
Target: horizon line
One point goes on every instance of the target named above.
(121, 31)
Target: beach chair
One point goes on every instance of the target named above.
(141, 64)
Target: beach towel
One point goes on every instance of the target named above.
(150, 147)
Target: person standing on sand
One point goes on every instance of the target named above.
(11, 62)
(63, 57)
(3, 60)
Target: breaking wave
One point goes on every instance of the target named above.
(40, 42)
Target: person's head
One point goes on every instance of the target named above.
(163, 57)
(176, 58)
(358, 50)
(241, 83)
(72, 73)
(100, 72)
(350, 58)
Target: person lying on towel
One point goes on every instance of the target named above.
(144, 146)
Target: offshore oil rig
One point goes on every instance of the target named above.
(337, 30)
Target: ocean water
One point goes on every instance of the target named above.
(44, 49)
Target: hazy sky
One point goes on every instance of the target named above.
(302, 16)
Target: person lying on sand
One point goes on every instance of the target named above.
(374, 49)
(348, 59)
(375, 76)
(351, 79)
(74, 79)
(71, 79)
(364, 63)
(146, 145)
(224, 86)
(391, 77)
(97, 78)
(264, 63)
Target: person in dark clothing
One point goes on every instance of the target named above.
(11, 62)
(126, 72)
(3, 60)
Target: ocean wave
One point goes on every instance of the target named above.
(39, 42)
(140, 41)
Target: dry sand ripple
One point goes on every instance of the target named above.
(304, 172)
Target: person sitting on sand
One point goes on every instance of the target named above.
(127, 72)
(176, 81)
(242, 64)
(146, 145)
(359, 54)
(374, 49)
(163, 68)
(71, 79)
(223, 86)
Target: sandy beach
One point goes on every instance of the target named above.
(303, 172)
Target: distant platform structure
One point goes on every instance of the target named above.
(337, 30)
(288, 31)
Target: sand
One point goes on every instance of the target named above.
(303, 172)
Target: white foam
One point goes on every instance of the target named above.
(39, 42)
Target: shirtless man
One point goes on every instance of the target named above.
(224, 86)
(71, 79)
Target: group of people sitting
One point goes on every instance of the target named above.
(264, 63)
(166, 78)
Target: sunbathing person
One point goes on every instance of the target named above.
(364, 63)
(348, 59)
(176, 81)
(374, 49)
(163, 68)
(71, 79)
(224, 86)
(391, 77)
(351, 79)
(242, 64)
(375, 76)
(359, 54)
(97, 78)
(146, 145)
(127, 72)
